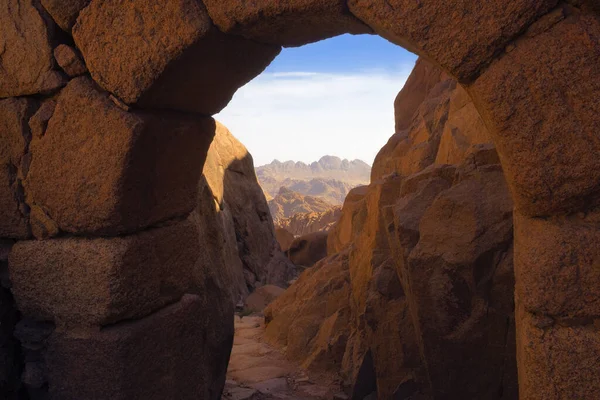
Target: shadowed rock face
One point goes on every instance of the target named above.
(107, 160)
(288, 24)
(306, 250)
(236, 229)
(27, 63)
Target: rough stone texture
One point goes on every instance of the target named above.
(560, 359)
(461, 36)
(101, 170)
(421, 81)
(39, 121)
(14, 142)
(547, 134)
(42, 226)
(217, 238)
(180, 352)
(69, 60)
(411, 150)
(460, 275)
(463, 129)
(166, 55)
(557, 293)
(350, 221)
(590, 6)
(232, 196)
(65, 12)
(26, 66)
(557, 273)
(84, 282)
(311, 317)
(444, 128)
(308, 249)
(290, 23)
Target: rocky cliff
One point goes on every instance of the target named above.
(419, 265)
(236, 229)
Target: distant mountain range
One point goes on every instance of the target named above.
(330, 178)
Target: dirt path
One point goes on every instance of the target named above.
(259, 371)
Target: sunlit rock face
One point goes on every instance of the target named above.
(420, 264)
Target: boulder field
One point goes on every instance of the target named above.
(108, 290)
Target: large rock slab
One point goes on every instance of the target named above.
(101, 170)
(27, 63)
(548, 139)
(461, 36)
(237, 227)
(557, 270)
(350, 222)
(311, 318)
(461, 281)
(423, 78)
(289, 23)
(560, 358)
(463, 130)
(180, 352)
(166, 55)
(14, 142)
(65, 12)
(557, 293)
(84, 282)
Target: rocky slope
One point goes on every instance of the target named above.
(304, 223)
(419, 266)
(288, 203)
(236, 229)
(330, 178)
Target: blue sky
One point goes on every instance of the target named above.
(331, 97)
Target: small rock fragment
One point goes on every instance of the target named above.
(39, 121)
(42, 226)
(69, 60)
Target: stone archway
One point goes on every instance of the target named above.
(96, 161)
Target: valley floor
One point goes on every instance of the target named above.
(259, 371)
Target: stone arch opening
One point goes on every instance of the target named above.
(159, 67)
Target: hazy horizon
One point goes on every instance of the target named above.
(310, 162)
(334, 97)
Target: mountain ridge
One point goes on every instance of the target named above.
(330, 177)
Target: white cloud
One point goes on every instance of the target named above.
(304, 115)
